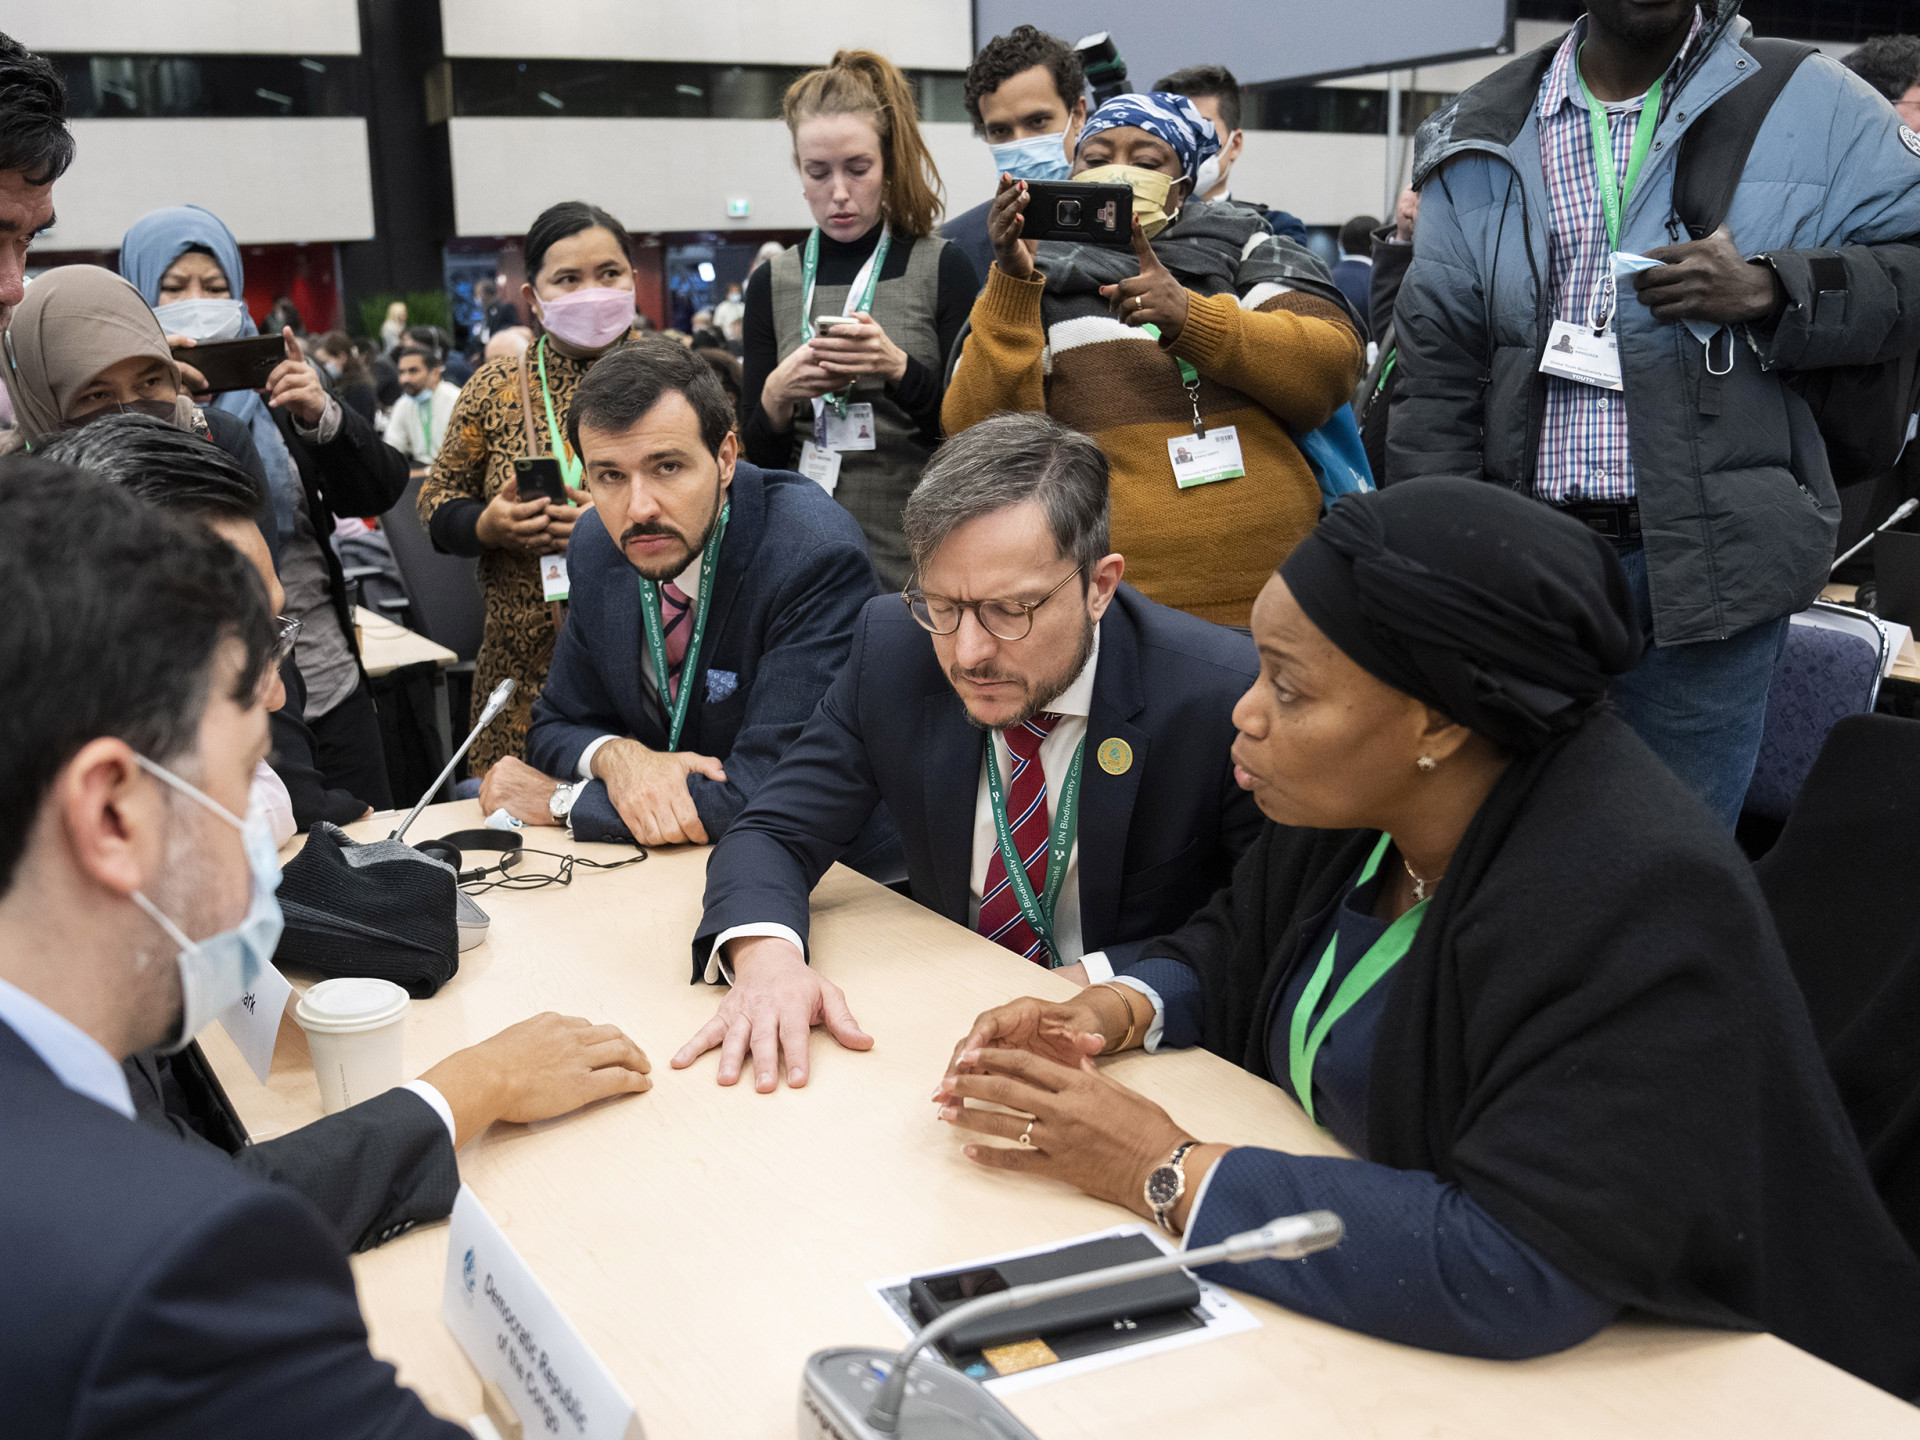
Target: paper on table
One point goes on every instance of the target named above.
(1221, 1315)
(253, 1021)
(1626, 263)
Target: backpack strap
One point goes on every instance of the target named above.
(1713, 153)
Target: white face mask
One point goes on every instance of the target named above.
(202, 319)
(1206, 177)
(217, 971)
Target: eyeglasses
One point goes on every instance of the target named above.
(286, 630)
(1002, 619)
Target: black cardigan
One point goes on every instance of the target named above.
(1595, 1034)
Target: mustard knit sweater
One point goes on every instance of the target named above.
(1291, 362)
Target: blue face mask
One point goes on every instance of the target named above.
(1038, 157)
(217, 971)
(202, 319)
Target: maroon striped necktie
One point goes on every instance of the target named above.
(1026, 792)
(677, 625)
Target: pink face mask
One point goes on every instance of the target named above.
(590, 318)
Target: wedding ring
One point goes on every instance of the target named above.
(1026, 1135)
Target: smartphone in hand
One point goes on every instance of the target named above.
(1079, 211)
(234, 364)
(539, 477)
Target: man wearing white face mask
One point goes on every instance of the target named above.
(170, 1294)
(1025, 94)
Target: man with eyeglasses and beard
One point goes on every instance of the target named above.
(712, 603)
(1017, 704)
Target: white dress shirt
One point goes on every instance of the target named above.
(1073, 705)
(689, 582)
(78, 1061)
(406, 434)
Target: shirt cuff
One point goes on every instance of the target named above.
(1151, 1041)
(326, 430)
(439, 1103)
(721, 973)
(1199, 1199)
(586, 755)
(1099, 968)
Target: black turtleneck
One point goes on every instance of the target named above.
(918, 392)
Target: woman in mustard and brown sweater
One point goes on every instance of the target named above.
(1209, 312)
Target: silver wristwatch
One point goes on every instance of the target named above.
(560, 803)
(1167, 1183)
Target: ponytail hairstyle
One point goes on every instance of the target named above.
(860, 82)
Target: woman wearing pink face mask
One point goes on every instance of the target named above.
(580, 290)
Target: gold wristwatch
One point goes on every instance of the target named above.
(1167, 1183)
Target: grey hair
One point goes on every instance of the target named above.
(1010, 460)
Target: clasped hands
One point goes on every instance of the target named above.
(647, 787)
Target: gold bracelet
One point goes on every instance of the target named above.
(1127, 1041)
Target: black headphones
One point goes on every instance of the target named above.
(451, 848)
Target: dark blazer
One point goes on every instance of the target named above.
(1156, 840)
(151, 1291)
(792, 576)
(968, 230)
(374, 1170)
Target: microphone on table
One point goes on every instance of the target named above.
(496, 702)
(1905, 508)
(859, 1393)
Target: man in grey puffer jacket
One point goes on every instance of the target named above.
(1715, 486)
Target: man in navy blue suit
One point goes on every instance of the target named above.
(152, 1290)
(698, 642)
(1051, 744)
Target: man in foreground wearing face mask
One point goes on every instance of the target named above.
(1209, 335)
(1017, 700)
(154, 1291)
(713, 603)
(1024, 92)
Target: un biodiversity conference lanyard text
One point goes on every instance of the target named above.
(810, 267)
(571, 466)
(657, 635)
(1614, 192)
(1303, 1044)
(1038, 910)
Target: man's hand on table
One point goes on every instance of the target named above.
(775, 1001)
(649, 790)
(537, 1069)
(519, 789)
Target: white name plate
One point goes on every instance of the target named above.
(517, 1338)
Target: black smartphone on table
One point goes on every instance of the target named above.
(931, 1296)
(1078, 210)
(234, 364)
(539, 477)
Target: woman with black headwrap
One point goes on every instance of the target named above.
(1505, 957)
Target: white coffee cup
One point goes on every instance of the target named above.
(355, 1028)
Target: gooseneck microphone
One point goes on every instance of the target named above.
(946, 1405)
(1905, 508)
(496, 702)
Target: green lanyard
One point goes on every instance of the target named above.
(571, 465)
(425, 406)
(809, 267)
(1614, 193)
(1189, 380)
(657, 635)
(1066, 813)
(1303, 1048)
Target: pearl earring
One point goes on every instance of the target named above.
(1426, 764)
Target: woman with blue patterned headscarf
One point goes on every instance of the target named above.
(1209, 322)
(207, 305)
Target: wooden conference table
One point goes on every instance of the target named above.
(706, 1240)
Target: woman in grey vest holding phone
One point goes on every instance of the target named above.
(855, 405)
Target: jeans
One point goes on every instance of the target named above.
(1699, 707)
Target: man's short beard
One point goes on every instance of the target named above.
(1050, 689)
(672, 568)
(1644, 32)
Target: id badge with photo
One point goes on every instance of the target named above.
(852, 431)
(553, 577)
(1574, 352)
(1201, 460)
(820, 465)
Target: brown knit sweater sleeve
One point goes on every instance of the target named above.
(1296, 355)
(1000, 362)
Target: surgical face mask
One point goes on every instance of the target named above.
(1206, 177)
(330, 367)
(1038, 157)
(216, 972)
(202, 319)
(1150, 191)
(590, 318)
(167, 410)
